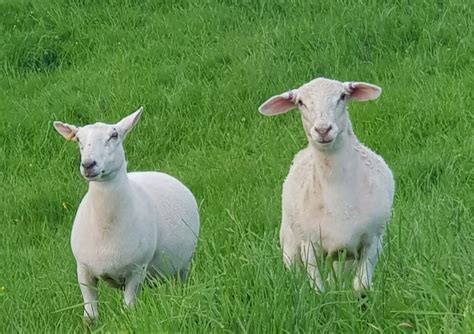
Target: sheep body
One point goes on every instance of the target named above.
(339, 210)
(163, 235)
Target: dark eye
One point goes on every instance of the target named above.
(343, 97)
(300, 103)
(114, 135)
(81, 147)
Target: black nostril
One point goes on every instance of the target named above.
(87, 164)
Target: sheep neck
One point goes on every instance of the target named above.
(111, 198)
(336, 164)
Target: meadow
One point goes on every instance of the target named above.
(201, 69)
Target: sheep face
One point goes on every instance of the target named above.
(322, 103)
(101, 151)
(100, 146)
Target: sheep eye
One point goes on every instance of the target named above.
(114, 135)
(81, 147)
(300, 103)
(343, 97)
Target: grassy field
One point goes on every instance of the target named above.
(201, 69)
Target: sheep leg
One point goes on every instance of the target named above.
(341, 267)
(183, 274)
(88, 286)
(289, 247)
(288, 258)
(366, 265)
(289, 255)
(308, 257)
(132, 286)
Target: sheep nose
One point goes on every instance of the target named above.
(323, 130)
(88, 163)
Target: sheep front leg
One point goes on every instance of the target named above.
(366, 265)
(308, 257)
(132, 286)
(289, 246)
(88, 286)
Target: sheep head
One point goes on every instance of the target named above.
(322, 103)
(100, 145)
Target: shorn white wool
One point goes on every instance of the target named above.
(128, 225)
(338, 193)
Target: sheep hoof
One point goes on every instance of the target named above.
(89, 321)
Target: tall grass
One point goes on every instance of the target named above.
(201, 68)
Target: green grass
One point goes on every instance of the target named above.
(201, 69)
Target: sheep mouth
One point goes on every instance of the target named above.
(92, 176)
(324, 141)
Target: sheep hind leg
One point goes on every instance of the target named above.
(132, 286)
(308, 256)
(366, 265)
(342, 266)
(183, 274)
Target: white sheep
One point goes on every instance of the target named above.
(128, 225)
(338, 193)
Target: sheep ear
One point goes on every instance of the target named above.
(362, 91)
(278, 104)
(66, 130)
(127, 123)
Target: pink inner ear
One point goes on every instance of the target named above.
(361, 91)
(65, 130)
(278, 104)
